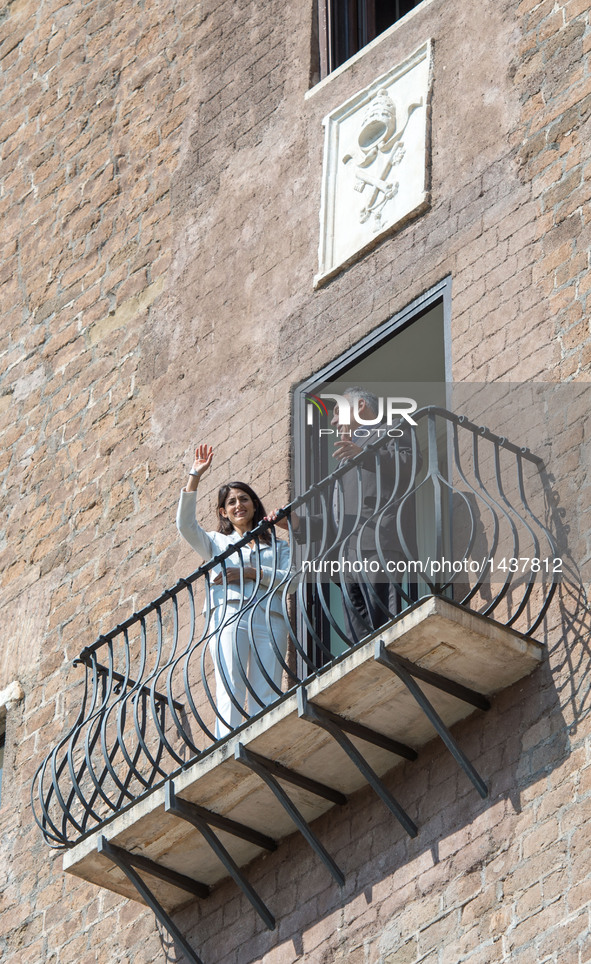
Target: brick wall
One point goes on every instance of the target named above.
(159, 207)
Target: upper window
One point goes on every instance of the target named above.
(348, 25)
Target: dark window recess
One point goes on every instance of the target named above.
(391, 355)
(348, 25)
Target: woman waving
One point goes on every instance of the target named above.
(248, 629)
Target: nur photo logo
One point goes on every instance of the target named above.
(391, 410)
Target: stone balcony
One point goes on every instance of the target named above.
(467, 659)
(155, 795)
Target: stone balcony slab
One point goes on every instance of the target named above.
(465, 648)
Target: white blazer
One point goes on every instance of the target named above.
(273, 563)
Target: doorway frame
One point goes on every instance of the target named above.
(441, 292)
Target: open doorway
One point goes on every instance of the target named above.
(408, 356)
(410, 350)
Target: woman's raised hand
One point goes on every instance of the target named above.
(203, 457)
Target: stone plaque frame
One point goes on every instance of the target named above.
(376, 163)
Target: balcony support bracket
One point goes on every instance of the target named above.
(124, 860)
(213, 819)
(268, 770)
(201, 819)
(335, 726)
(406, 672)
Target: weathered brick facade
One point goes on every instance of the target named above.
(159, 201)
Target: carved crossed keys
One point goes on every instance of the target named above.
(379, 138)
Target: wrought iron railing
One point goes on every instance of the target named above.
(451, 509)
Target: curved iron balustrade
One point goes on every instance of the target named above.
(459, 499)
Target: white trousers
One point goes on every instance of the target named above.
(246, 663)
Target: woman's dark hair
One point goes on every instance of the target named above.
(224, 524)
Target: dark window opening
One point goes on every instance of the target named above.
(411, 349)
(346, 26)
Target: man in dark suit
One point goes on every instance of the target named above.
(367, 531)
